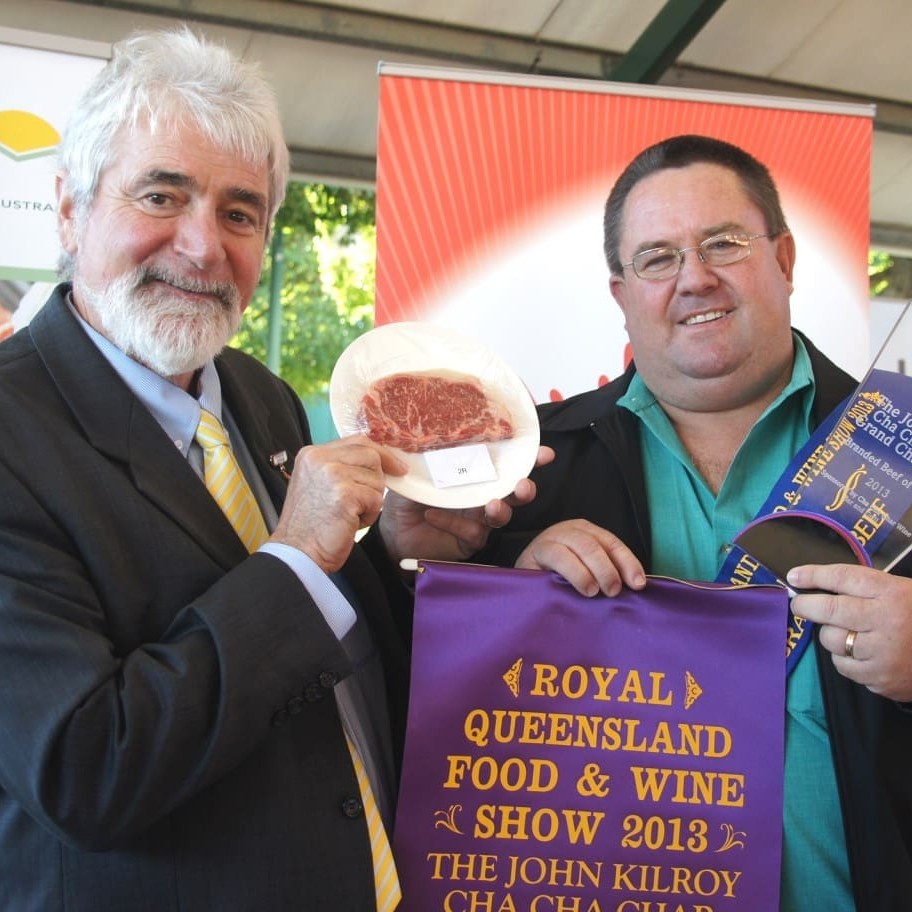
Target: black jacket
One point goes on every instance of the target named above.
(598, 475)
(168, 734)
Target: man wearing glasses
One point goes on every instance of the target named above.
(658, 470)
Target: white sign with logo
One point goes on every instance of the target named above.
(41, 77)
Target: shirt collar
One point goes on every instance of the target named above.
(638, 398)
(177, 411)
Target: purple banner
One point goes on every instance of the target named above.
(566, 753)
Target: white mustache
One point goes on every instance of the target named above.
(225, 292)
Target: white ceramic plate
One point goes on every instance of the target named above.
(410, 347)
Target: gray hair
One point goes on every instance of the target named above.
(162, 79)
(680, 152)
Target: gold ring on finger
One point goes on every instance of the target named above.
(850, 644)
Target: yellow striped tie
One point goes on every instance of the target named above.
(226, 482)
(227, 485)
(386, 880)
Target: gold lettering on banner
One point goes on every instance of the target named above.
(512, 775)
(859, 412)
(477, 901)
(823, 453)
(870, 522)
(693, 691)
(745, 570)
(468, 866)
(610, 733)
(795, 632)
(598, 683)
(447, 819)
(511, 676)
(506, 821)
(647, 905)
(850, 484)
(673, 834)
(553, 872)
(734, 839)
(688, 786)
(841, 434)
(644, 878)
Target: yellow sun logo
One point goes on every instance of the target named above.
(25, 135)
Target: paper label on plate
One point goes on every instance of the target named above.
(460, 466)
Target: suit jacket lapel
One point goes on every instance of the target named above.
(120, 427)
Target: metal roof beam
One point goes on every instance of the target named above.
(326, 166)
(661, 43)
(385, 32)
(472, 47)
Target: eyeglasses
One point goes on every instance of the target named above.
(719, 250)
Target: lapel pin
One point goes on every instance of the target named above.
(278, 460)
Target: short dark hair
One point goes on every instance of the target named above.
(680, 152)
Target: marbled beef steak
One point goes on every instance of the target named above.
(431, 410)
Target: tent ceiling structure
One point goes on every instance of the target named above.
(323, 59)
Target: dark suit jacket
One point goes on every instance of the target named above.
(168, 737)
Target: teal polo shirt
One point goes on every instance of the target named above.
(691, 529)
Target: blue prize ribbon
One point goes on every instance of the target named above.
(742, 569)
(852, 481)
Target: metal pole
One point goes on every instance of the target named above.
(274, 343)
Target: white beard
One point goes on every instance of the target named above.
(159, 330)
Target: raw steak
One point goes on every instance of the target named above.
(427, 411)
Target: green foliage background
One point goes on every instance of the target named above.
(889, 276)
(328, 243)
(879, 266)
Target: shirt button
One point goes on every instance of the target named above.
(328, 679)
(352, 807)
(312, 693)
(294, 705)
